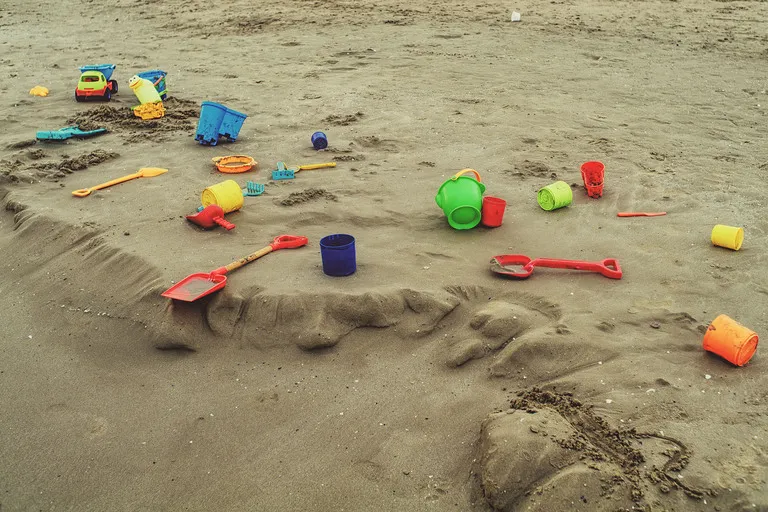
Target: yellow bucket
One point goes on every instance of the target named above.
(226, 194)
(727, 236)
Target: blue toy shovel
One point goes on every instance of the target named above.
(69, 132)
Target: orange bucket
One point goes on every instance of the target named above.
(730, 340)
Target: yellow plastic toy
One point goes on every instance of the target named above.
(149, 111)
(39, 90)
(144, 90)
(226, 194)
(730, 237)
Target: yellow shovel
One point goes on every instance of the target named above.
(146, 172)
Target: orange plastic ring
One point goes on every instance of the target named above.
(234, 164)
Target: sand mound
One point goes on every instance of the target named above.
(36, 165)
(180, 115)
(343, 119)
(310, 194)
(551, 450)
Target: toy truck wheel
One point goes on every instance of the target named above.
(107, 94)
(113, 86)
(78, 97)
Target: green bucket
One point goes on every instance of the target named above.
(555, 195)
(461, 199)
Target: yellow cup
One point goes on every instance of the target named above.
(226, 194)
(727, 236)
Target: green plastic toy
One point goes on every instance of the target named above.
(554, 196)
(461, 199)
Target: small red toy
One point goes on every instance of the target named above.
(209, 217)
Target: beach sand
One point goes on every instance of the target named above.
(423, 381)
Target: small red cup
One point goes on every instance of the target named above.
(593, 174)
(493, 211)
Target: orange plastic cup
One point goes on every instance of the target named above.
(730, 340)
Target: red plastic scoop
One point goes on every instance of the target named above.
(500, 264)
(196, 286)
(209, 217)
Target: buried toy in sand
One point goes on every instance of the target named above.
(39, 90)
(199, 285)
(151, 105)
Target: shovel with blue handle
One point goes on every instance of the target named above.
(68, 133)
(281, 173)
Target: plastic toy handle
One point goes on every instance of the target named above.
(243, 261)
(640, 214)
(86, 191)
(280, 242)
(221, 221)
(602, 267)
(312, 167)
(288, 242)
(463, 171)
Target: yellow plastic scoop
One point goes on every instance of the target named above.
(146, 172)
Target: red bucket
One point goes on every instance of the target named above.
(493, 211)
(593, 173)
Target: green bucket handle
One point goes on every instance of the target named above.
(463, 171)
(455, 177)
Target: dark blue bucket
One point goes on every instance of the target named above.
(319, 140)
(338, 253)
(231, 124)
(157, 77)
(211, 115)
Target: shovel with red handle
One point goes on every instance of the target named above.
(199, 285)
(609, 267)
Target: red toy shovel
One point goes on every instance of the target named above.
(499, 264)
(199, 285)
